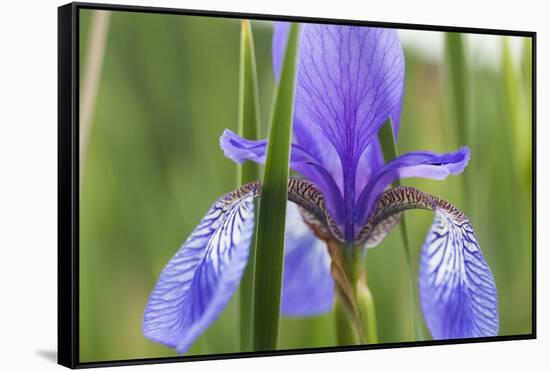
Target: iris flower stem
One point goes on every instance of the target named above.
(345, 332)
(363, 296)
(355, 313)
(367, 310)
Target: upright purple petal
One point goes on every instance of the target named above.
(457, 289)
(308, 287)
(196, 285)
(376, 49)
(316, 142)
(421, 164)
(349, 82)
(370, 163)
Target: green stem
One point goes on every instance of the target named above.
(460, 106)
(271, 216)
(355, 313)
(249, 121)
(415, 304)
(389, 149)
(345, 331)
(367, 311)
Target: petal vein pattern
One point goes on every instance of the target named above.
(199, 280)
(457, 289)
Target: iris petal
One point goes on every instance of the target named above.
(422, 164)
(457, 289)
(308, 287)
(240, 149)
(361, 70)
(349, 82)
(316, 143)
(199, 280)
(370, 162)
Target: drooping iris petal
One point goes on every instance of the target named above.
(422, 164)
(308, 287)
(240, 149)
(199, 280)
(457, 289)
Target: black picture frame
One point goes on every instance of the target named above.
(68, 181)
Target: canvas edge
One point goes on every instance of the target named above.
(67, 192)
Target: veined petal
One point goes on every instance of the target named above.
(351, 74)
(308, 287)
(199, 280)
(240, 149)
(421, 164)
(370, 163)
(318, 146)
(457, 289)
(349, 82)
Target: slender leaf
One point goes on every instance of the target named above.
(367, 311)
(389, 150)
(527, 64)
(527, 71)
(458, 85)
(457, 82)
(346, 334)
(249, 121)
(271, 220)
(517, 110)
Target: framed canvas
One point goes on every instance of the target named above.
(239, 185)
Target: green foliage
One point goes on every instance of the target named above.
(459, 98)
(249, 127)
(386, 137)
(270, 234)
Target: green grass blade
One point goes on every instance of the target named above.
(517, 110)
(271, 220)
(249, 122)
(527, 64)
(510, 81)
(389, 150)
(457, 82)
(367, 311)
(346, 334)
(527, 77)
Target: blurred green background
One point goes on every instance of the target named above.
(153, 167)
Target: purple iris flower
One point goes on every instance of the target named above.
(349, 83)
